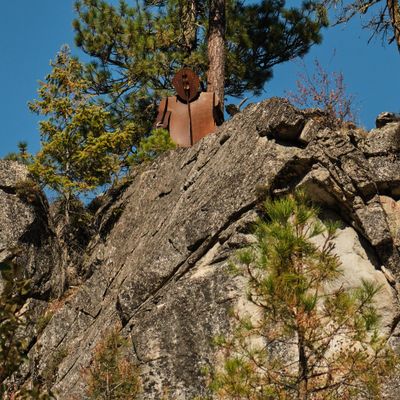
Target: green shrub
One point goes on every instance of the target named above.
(150, 147)
(112, 376)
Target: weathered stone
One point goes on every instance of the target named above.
(387, 171)
(11, 173)
(25, 233)
(321, 188)
(157, 266)
(362, 178)
(359, 263)
(382, 141)
(176, 214)
(372, 220)
(392, 210)
(310, 130)
(281, 120)
(385, 118)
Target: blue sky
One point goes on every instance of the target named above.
(31, 33)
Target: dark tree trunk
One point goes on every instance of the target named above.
(216, 49)
(394, 12)
(303, 367)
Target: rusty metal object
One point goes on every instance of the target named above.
(163, 116)
(186, 84)
(191, 114)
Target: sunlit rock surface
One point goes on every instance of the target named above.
(156, 268)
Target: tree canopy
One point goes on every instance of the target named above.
(136, 49)
(79, 152)
(99, 113)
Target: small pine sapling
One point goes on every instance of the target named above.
(303, 340)
(150, 147)
(22, 156)
(112, 375)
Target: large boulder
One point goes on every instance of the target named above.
(385, 118)
(156, 270)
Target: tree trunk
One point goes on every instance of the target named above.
(303, 364)
(216, 49)
(394, 12)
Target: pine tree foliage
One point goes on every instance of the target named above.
(151, 146)
(22, 156)
(79, 152)
(308, 339)
(137, 48)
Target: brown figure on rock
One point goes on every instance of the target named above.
(191, 114)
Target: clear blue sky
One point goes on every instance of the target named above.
(31, 33)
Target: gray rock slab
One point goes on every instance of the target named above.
(156, 269)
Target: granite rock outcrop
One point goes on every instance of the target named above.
(26, 233)
(156, 267)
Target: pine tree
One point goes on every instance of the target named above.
(136, 49)
(79, 152)
(307, 338)
(22, 156)
(152, 146)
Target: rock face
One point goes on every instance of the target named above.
(25, 232)
(157, 267)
